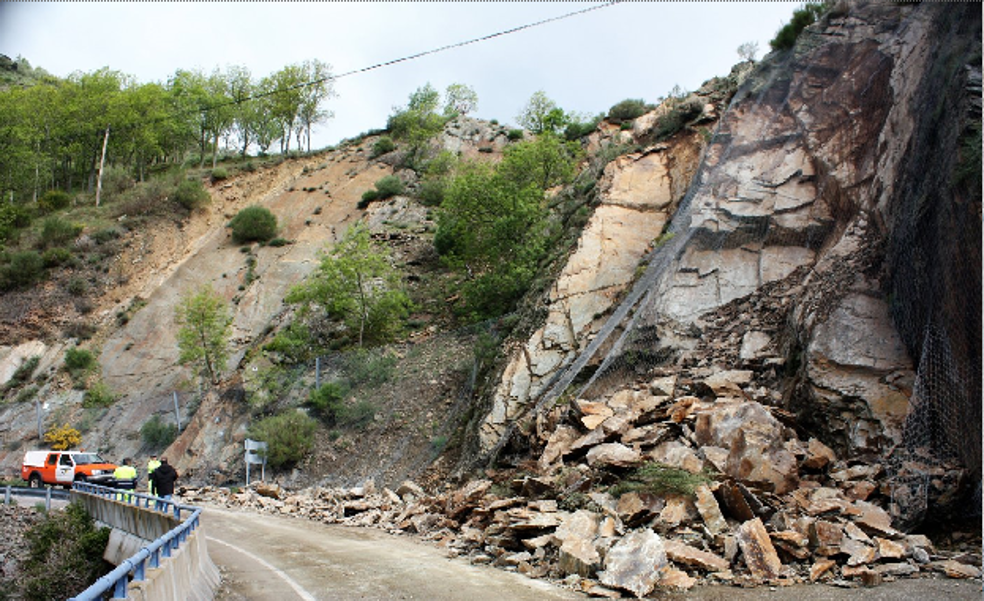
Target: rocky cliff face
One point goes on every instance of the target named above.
(811, 249)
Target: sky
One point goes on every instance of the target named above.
(585, 63)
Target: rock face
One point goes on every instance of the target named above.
(789, 247)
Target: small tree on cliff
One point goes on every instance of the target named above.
(205, 327)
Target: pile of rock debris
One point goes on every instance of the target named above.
(722, 491)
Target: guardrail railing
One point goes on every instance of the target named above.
(47, 493)
(162, 548)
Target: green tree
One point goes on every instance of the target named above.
(64, 555)
(417, 123)
(542, 115)
(204, 330)
(356, 285)
(544, 162)
(459, 99)
(319, 87)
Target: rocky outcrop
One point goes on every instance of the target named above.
(780, 261)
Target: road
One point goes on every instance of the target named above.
(270, 558)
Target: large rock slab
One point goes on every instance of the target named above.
(632, 564)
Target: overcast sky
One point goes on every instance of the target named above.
(585, 63)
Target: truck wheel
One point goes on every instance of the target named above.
(34, 481)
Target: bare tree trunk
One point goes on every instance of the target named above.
(102, 163)
(215, 148)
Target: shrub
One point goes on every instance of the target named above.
(328, 400)
(367, 197)
(383, 145)
(56, 256)
(389, 186)
(367, 367)
(156, 434)
(23, 373)
(355, 415)
(77, 287)
(219, 174)
(78, 361)
(431, 192)
(57, 232)
(660, 479)
(11, 218)
(24, 268)
(253, 224)
(803, 17)
(65, 555)
(191, 194)
(576, 130)
(54, 200)
(62, 438)
(514, 134)
(105, 235)
(98, 396)
(627, 110)
(674, 120)
(278, 242)
(289, 437)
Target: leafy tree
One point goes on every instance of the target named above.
(289, 437)
(356, 285)
(204, 330)
(494, 229)
(417, 123)
(544, 162)
(254, 223)
(459, 99)
(541, 115)
(319, 87)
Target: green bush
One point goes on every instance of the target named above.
(219, 174)
(54, 200)
(660, 479)
(56, 231)
(389, 186)
(23, 373)
(79, 360)
(575, 130)
(56, 256)
(627, 110)
(677, 117)
(99, 396)
(278, 242)
(328, 400)
(382, 146)
(12, 217)
(191, 194)
(367, 197)
(431, 192)
(105, 235)
(514, 134)
(368, 367)
(253, 224)
(289, 437)
(156, 434)
(23, 269)
(803, 17)
(65, 555)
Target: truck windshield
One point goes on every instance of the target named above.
(87, 458)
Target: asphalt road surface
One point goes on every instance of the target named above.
(270, 558)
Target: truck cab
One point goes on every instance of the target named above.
(65, 467)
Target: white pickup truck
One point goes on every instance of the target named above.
(64, 467)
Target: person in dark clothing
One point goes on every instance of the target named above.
(164, 477)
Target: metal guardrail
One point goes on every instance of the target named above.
(47, 493)
(117, 580)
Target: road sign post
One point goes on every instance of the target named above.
(256, 454)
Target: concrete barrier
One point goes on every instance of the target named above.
(179, 564)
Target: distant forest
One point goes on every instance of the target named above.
(53, 130)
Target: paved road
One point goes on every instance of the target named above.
(269, 558)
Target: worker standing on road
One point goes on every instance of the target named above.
(126, 478)
(152, 465)
(164, 477)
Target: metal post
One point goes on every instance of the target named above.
(247, 474)
(47, 499)
(317, 373)
(6, 496)
(177, 416)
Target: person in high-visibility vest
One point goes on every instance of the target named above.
(152, 465)
(126, 478)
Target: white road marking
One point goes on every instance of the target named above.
(303, 594)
